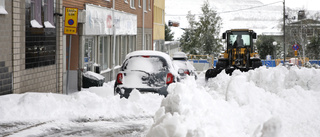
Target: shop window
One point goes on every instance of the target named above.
(123, 48)
(131, 43)
(117, 56)
(3, 7)
(89, 53)
(105, 52)
(40, 42)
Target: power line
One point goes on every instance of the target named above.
(230, 10)
(250, 7)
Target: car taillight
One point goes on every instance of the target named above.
(119, 78)
(169, 78)
(187, 72)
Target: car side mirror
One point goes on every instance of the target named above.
(254, 35)
(223, 35)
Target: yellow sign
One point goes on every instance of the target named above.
(295, 53)
(71, 21)
(69, 30)
(71, 17)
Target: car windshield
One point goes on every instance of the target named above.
(150, 64)
(239, 39)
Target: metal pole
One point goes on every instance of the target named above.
(114, 40)
(69, 56)
(284, 32)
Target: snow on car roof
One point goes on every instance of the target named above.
(149, 52)
(179, 55)
(154, 53)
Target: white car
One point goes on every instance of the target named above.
(146, 71)
(185, 68)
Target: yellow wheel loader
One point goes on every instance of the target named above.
(239, 54)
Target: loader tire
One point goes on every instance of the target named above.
(211, 73)
(256, 63)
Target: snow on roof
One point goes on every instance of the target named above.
(179, 55)
(149, 52)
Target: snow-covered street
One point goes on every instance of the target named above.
(262, 102)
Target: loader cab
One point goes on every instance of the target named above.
(239, 38)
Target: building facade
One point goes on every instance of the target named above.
(107, 31)
(159, 25)
(31, 46)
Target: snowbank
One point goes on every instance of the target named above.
(264, 102)
(95, 103)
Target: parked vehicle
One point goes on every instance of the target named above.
(146, 71)
(185, 68)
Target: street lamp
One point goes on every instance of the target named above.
(274, 44)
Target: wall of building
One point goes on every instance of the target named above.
(159, 25)
(120, 5)
(38, 79)
(6, 49)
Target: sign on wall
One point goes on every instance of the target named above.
(99, 21)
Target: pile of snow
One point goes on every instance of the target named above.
(264, 102)
(93, 103)
(260, 103)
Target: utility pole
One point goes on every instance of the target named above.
(284, 32)
(114, 39)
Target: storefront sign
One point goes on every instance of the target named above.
(99, 21)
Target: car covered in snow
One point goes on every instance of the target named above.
(146, 71)
(184, 67)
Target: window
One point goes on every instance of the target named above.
(123, 48)
(36, 14)
(132, 4)
(144, 5)
(149, 5)
(139, 3)
(40, 48)
(48, 13)
(2, 7)
(131, 43)
(105, 52)
(126, 1)
(117, 56)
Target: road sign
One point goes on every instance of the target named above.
(69, 30)
(295, 47)
(71, 17)
(71, 21)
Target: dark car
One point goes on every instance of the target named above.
(146, 71)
